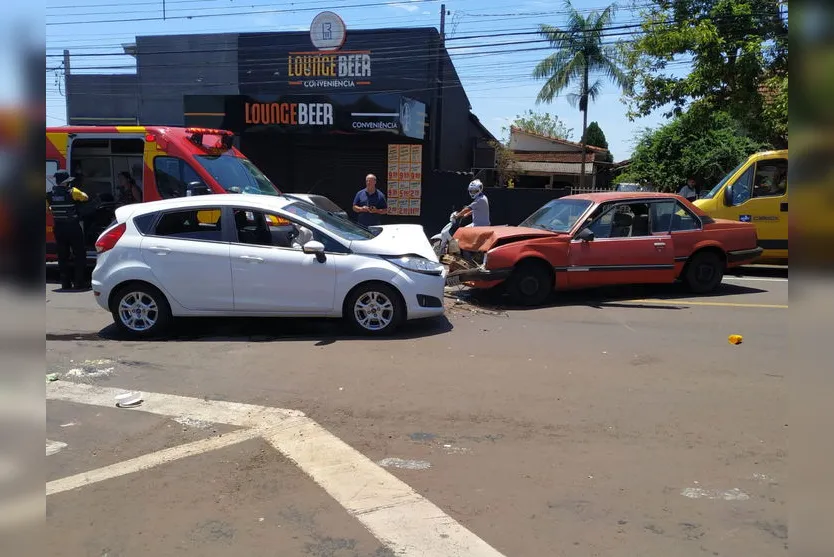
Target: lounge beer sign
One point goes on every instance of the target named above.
(309, 113)
(328, 66)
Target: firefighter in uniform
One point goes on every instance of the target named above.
(63, 202)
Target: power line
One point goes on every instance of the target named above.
(637, 27)
(228, 14)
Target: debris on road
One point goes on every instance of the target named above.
(128, 400)
(53, 447)
(734, 494)
(52, 377)
(92, 369)
(404, 464)
(192, 423)
(735, 339)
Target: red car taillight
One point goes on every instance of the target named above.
(108, 240)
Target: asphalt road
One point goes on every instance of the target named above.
(610, 423)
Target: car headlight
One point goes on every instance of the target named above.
(417, 264)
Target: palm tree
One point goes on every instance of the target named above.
(580, 51)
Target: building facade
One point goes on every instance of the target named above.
(549, 162)
(315, 110)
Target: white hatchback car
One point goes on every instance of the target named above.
(257, 256)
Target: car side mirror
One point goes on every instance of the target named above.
(314, 248)
(197, 188)
(586, 235)
(728, 196)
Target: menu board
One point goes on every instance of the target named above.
(405, 179)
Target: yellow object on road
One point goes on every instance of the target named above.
(735, 339)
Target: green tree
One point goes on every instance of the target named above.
(580, 52)
(733, 46)
(505, 162)
(594, 136)
(542, 123)
(775, 110)
(702, 143)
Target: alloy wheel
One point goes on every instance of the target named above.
(374, 311)
(138, 311)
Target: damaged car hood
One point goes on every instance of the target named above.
(483, 238)
(397, 239)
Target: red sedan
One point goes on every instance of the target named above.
(603, 239)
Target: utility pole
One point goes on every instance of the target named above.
(66, 83)
(438, 110)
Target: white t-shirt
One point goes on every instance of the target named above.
(480, 210)
(687, 192)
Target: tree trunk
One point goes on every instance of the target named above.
(583, 101)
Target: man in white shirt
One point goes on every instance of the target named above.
(689, 191)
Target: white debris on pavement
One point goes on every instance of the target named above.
(734, 494)
(404, 464)
(53, 447)
(192, 423)
(92, 368)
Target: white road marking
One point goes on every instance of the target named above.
(392, 511)
(173, 406)
(148, 461)
(53, 447)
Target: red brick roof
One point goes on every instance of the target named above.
(559, 140)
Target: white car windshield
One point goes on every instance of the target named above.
(338, 226)
(558, 215)
(237, 175)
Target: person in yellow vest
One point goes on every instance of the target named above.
(63, 200)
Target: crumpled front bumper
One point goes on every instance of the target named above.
(464, 271)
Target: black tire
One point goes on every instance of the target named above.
(704, 272)
(530, 284)
(389, 314)
(157, 318)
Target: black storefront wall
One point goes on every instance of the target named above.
(323, 164)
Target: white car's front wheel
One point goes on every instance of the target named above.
(374, 308)
(140, 310)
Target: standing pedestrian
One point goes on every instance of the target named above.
(63, 200)
(369, 203)
(689, 191)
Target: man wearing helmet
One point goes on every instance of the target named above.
(479, 208)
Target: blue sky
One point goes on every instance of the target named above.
(499, 86)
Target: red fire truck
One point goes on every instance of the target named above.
(164, 161)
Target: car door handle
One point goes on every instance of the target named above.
(660, 244)
(161, 250)
(252, 258)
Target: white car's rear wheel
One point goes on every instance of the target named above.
(374, 308)
(140, 310)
